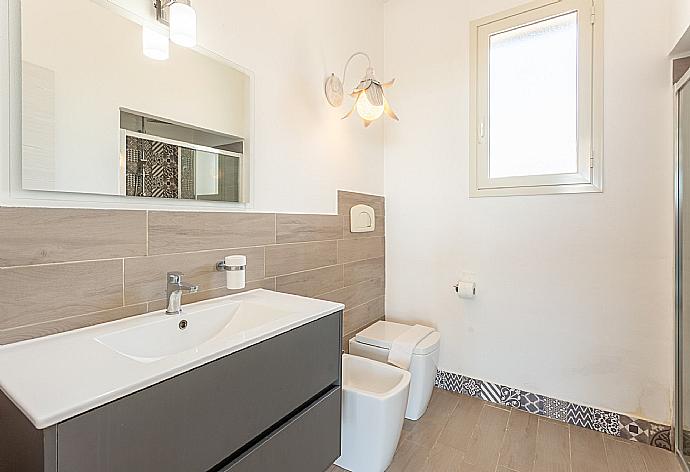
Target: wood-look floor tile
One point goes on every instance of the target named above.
(659, 460)
(458, 430)
(623, 456)
(304, 227)
(424, 433)
(553, 447)
(487, 437)
(426, 430)
(409, 457)
(520, 442)
(444, 459)
(587, 450)
(441, 406)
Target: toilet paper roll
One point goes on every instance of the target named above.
(466, 289)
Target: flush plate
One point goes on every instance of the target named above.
(362, 219)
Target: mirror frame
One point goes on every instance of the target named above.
(11, 192)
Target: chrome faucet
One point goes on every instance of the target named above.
(174, 292)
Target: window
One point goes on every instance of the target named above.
(536, 99)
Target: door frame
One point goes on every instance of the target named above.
(678, 268)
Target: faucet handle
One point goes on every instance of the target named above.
(175, 277)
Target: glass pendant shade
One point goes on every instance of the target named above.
(155, 44)
(183, 25)
(367, 110)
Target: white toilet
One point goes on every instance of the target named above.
(375, 342)
(374, 401)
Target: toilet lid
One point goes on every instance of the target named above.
(383, 333)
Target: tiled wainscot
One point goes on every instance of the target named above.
(63, 269)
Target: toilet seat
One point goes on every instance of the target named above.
(375, 343)
(383, 333)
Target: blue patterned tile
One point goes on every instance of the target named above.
(471, 387)
(556, 409)
(510, 396)
(532, 403)
(491, 392)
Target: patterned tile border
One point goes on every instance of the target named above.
(603, 421)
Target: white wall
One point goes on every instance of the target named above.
(680, 22)
(574, 291)
(303, 152)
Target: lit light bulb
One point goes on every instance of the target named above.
(367, 110)
(182, 25)
(155, 44)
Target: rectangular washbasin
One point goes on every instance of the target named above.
(166, 335)
(57, 377)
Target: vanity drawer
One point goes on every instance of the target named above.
(196, 420)
(309, 442)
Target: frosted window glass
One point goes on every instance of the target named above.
(533, 99)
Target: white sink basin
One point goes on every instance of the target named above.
(172, 334)
(57, 377)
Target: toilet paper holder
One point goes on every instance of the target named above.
(457, 288)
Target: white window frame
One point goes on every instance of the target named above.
(588, 177)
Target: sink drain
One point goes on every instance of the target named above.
(183, 324)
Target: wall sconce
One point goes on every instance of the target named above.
(370, 101)
(180, 17)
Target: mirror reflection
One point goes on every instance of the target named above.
(100, 117)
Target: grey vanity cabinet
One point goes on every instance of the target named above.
(272, 406)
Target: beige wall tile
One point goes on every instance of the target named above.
(66, 324)
(302, 228)
(362, 315)
(347, 200)
(352, 334)
(177, 231)
(289, 258)
(358, 294)
(268, 284)
(350, 250)
(46, 235)
(312, 282)
(37, 294)
(145, 277)
(360, 271)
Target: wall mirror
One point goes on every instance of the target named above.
(100, 117)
